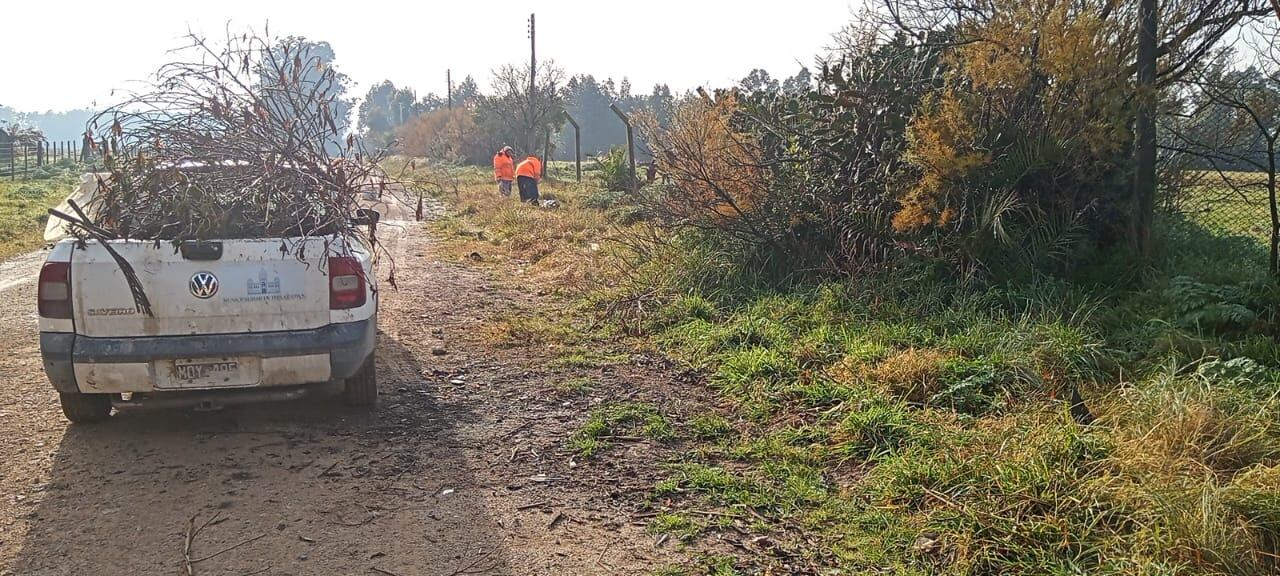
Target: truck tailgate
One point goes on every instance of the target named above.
(253, 286)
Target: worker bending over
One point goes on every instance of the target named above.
(528, 173)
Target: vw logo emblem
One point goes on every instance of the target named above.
(204, 285)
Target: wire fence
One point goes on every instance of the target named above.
(22, 159)
(1225, 202)
(1218, 172)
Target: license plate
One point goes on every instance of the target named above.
(208, 372)
(191, 371)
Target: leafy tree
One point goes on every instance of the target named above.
(661, 103)
(467, 93)
(759, 81)
(430, 103)
(588, 102)
(800, 83)
(386, 107)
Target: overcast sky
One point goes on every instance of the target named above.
(81, 50)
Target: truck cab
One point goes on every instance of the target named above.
(233, 320)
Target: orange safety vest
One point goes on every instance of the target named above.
(504, 168)
(531, 167)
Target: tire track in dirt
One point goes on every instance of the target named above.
(20, 270)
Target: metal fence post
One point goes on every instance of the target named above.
(577, 144)
(631, 145)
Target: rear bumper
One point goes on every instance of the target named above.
(127, 364)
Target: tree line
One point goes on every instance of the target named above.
(474, 123)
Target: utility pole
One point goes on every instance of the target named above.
(1144, 181)
(448, 78)
(533, 72)
(533, 59)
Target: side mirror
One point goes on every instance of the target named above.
(365, 216)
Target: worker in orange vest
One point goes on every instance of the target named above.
(528, 173)
(504, 169)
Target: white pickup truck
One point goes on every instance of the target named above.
(232, 321)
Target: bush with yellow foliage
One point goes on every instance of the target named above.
(1027, 138)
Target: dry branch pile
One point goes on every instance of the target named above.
(232, 140)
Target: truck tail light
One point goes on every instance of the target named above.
(55, 290)
(346, 283)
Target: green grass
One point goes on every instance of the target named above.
(24, 205)
(710, 427)
(909, 425)
(897, 422)
(576, 386)
(1238, 206)
(677, 525)
(619, 420)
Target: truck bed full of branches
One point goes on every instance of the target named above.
(232, 140)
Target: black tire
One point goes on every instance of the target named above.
(85, 408)
(361, 389)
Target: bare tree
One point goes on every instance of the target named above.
(1233, 127)
(1189, 29)
(530, 117)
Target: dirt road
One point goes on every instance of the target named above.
(461, 469)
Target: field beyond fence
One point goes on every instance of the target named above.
(19, 159)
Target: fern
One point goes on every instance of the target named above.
(1210, 307)
(1244, 372)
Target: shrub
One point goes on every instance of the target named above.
(1238, 372)
(614, 170)
(449, 135)
(1214, 308)
(603, 199)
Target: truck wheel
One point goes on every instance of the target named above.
(84, 408)
(362, 388)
